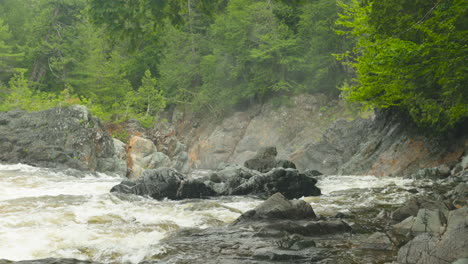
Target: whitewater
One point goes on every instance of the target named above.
(49, 213)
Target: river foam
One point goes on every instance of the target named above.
(48, 213)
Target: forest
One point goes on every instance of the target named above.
(133, 58)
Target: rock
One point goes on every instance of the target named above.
(121, 154)
(216, 145)
(428, 248)
(194, 189)
(312, 173)
(302, 244)
(142, 155)
(63, 137)
(263, 161)
(464, 162)
(287, 164)
(277, 207)
(338, 144)
(432, 173)
(412, 206)
(238, 137)
(233, 180)
(49, 261)
(456, 169)
(378, 241)
(181, 162)
(288, 182)
(460, 195)
(427, 220)
(230, 172)
(157, 183)
(306, 228)
(285, 256)
(412, 252)
(385, 145)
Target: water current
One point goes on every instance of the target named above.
(48, 213)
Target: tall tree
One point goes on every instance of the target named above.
(413, 60)
(8, 59)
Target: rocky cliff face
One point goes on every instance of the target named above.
(64, 137)
(237, 137)
(383, 145)
(306, 133)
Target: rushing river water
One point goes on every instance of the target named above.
(46, 213)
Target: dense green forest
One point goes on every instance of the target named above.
(132, 58)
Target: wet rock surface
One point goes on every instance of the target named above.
(50, 261)
(64, 137)
(281, 233)
(232, 180)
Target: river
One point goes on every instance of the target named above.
(49, 213)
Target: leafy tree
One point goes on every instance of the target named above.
(413, 60)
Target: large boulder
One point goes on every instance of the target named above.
(427, 220)
(63, 137)
(288, 182)
(157, 183)
(164, 183)
(278, 207)
(265, 160)
(412, 206)
(233, 180)
(142, 155)
(428, 248)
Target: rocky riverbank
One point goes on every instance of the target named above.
(65, 137)
(431, 227)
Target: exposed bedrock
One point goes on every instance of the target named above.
(318, 133)
(277, 231)
(384, 145)
(63, 137)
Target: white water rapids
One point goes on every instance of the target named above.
(45, 213)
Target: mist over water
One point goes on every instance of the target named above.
(46, 213)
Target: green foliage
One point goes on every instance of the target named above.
(209, 56)
(415, 61)
(19, 95)
(8, 59)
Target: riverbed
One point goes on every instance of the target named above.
(48, 213)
